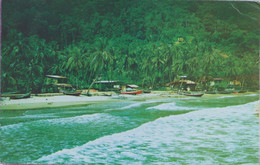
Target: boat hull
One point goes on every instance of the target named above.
(27, 95)
(194, 95)
(73, 94)
(132, 93)
(191, 94)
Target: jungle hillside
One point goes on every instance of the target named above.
(145, 42)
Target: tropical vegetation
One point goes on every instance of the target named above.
(146, 42)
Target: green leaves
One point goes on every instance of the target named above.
(132, 41)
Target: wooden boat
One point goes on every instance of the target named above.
(147, 91)
(191, 94)
(76, 93)
(195, 95)
(23, 96)
(243, 91)
(132, 93)
(234, 91)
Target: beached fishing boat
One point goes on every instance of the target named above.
(147, 91)
(234, 91)
(23, 96)
(132, 93)
(195, 95)
(191, 94)
(75, 93)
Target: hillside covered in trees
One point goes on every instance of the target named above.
(134, 41)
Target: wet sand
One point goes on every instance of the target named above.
(37, 102)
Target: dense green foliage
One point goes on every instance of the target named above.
(141, 41)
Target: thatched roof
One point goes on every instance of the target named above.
(55, 76)
(188, 82)
(63, 85)
(132, 86)
(106, 82)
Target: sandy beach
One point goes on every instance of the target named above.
(36, 102)
(46, 101)
(49, 102)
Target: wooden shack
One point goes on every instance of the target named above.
(128, 87)
(107, 85)
(182, 85)
(215, 81)
(53, 83)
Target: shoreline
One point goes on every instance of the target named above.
(41, 102)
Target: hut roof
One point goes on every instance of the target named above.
(183, 77)
(63, 85)
(55, 76)
(106, 82)
(132, 86)
(189, 82)
(186, 81)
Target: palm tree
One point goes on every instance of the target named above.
(76, 60)
(8, 80)
(101, 57)
(157, 65)
(232, 69)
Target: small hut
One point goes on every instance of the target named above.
(52, 81)
(235, 82)
(215, 81)
(55, 79)
(64, 87)
(183, 84)
(107, 85)
(129, 87)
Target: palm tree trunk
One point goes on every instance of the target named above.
(90, 86)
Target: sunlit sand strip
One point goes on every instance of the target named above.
(50, 102)
(63, 101)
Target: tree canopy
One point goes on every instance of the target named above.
(138, 41)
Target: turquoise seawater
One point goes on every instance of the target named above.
(221, 129)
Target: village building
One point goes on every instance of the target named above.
(107, 85)
(129, 87)
(215, 81)
(187, 85)
(55, 83)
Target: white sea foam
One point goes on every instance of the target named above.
(98, 117)
(11, 126)
(132, 105)
(137, 104)
(238, 95)
(227, 96)
(171, 106)
(187, 98)
(209, 136)
(252, 95)
(34, 116)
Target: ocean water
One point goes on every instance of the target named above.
(188, 130)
